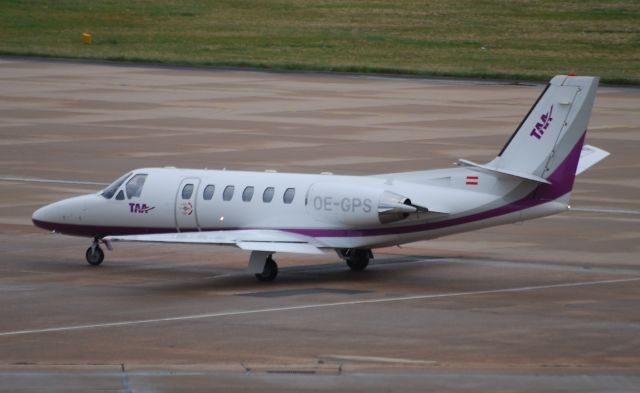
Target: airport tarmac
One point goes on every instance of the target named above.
(549, 305)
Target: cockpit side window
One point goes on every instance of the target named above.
(111, 190)
(134, 186)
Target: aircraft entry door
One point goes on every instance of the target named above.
(186, 217)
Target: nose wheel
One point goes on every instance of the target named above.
(94, 254)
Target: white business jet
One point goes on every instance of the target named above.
(267, 212)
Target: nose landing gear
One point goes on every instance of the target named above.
(94, 253)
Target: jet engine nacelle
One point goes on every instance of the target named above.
(356, 205)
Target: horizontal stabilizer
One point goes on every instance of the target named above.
(525, 176)
(246, 239)
(589, 156)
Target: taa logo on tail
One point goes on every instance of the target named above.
(542, 125)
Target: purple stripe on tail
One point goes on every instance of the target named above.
(563, 177)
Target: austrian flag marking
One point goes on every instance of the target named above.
(472, 180)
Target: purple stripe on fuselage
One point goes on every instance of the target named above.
(561, 183)
(99, 230)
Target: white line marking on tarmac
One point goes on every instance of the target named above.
(602, 210)
(35, 180)
(314, 306)
(374, 359)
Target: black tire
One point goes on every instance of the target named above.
(269, 272)
(359, 260)
(94, 256)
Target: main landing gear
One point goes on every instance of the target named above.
(94, 253)
(357, 259)
(263, 266)
(270, 271)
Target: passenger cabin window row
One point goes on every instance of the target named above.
(247, 193)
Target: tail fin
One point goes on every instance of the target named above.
(548, 142)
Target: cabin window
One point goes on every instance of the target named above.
(267, 195)
(187, 191)
(134, 186)
(111, 190)
(207, 194)
(120, 196)
(247, 194)
(227, 194)
(288, 195)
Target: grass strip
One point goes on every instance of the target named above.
(530, 40)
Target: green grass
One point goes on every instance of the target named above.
(489, 39)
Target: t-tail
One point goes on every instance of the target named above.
(548, 145)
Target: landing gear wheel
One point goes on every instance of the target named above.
(358, 260)
(269, 272)
(94, 255)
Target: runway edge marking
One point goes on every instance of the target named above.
(317, 305)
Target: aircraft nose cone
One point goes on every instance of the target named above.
(42, 218)
(66, 216)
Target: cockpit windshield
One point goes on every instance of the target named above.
(134, 186)
(109, 191)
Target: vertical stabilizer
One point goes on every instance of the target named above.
(552, 130)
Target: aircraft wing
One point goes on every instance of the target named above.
(246, 239)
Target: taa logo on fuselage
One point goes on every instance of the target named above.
(140, 208)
